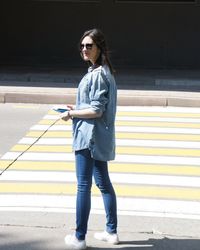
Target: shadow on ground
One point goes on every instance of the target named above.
(7, 242)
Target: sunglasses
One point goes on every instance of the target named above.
(88, 46)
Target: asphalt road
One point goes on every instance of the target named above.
(15, 121)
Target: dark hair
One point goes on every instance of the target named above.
(99, 39)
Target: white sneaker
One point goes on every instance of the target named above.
(108, 237)
(73, 243)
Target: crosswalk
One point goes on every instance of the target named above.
(156, 171)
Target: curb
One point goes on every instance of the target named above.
(44, 95)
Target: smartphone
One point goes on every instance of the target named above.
(61, 110)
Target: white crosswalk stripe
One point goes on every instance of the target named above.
(119, 158)
(34, 176)
(144, 119)
(125, 129)
(119, 142)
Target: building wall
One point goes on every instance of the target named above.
(140, 35)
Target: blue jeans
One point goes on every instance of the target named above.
(86, 167)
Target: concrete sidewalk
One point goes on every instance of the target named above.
(135, 87)
(46, 231)
(47, 95)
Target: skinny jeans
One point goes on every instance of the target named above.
(86, 168)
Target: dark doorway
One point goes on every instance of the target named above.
(141, 34)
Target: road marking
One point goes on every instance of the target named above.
(139, 122)
(129, 178)
(119, 142)
(176, 193)
(160, 114)
(123, 135)
(46, 141)
(120, 150)
(47, 119)
(113, 167)
(126, 206)
(125, 129)
(157, 124)
(159, 109)
(156, 171)
(147, 159)
(27, 106)
(162, 120)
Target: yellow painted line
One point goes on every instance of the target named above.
(49, 122)
(50, 134)
(155, 169)
(136, 124)
(158, 151)
(121, 190)
(39, 165)
(158, 114)
(148, 114)
(124, 135)
(119, 150)
(158, 136)
(21, 106)
(52, 112)
(113, 167)
(4, 164)
(158, 124)
(37, 188)
(40, 148)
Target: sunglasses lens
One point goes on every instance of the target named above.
(87, 46)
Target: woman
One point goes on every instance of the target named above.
(94, 138)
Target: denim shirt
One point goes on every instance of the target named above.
(97, 90)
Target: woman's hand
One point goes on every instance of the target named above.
(65, 116)
(87, 113)
(70, 106)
